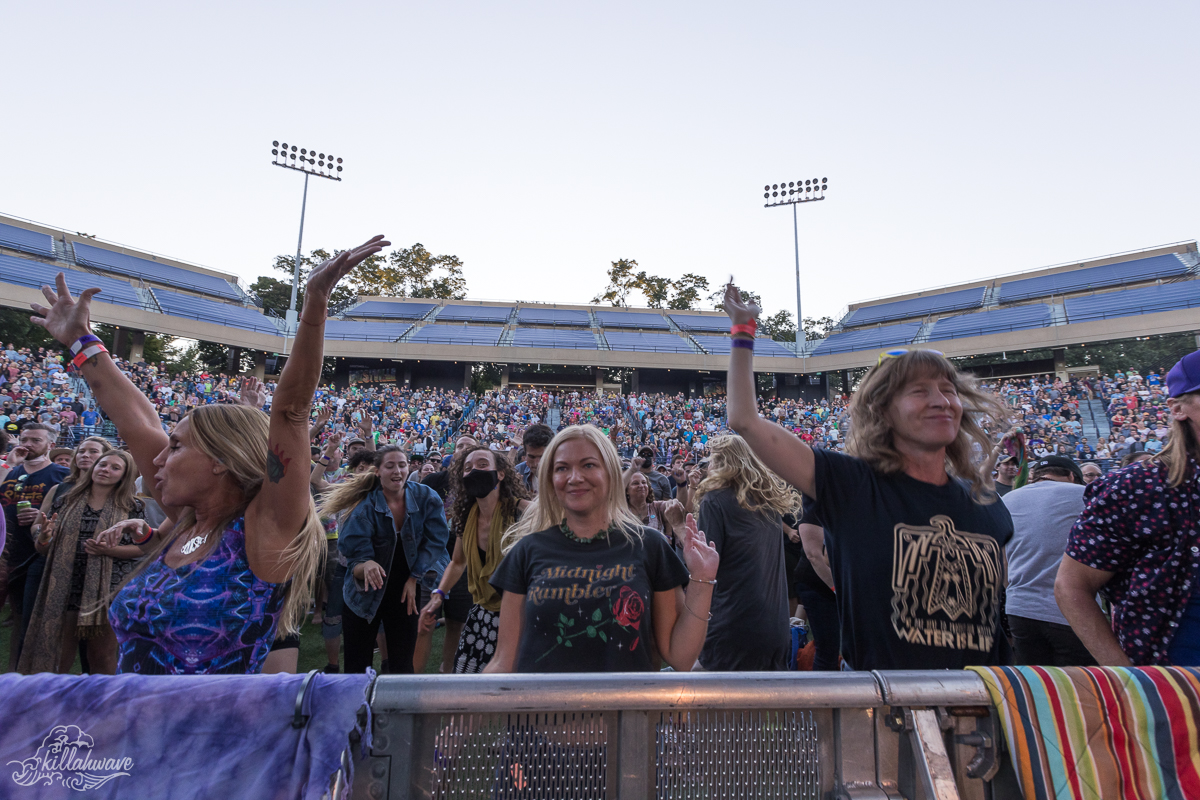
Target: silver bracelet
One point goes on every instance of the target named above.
(697, 616)
(713, 582)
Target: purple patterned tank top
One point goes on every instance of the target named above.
(206, 618)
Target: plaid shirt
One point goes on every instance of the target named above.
(1147, 533)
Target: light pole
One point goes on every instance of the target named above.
(793, 193)
(310, 162)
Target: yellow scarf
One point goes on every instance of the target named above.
(478, 574)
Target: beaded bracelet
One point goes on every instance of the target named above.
(746, 344)
(713, 582)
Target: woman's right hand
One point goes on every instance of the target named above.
(370, 574)
(111, 537)
(67, 318)
(740, 312)
(429, 614)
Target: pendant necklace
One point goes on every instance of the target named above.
(194, 544)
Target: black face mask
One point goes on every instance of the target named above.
(480, 482)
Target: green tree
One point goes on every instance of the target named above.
(412, 272)
(717, 298)
(657, 290)
(818, 328)
(17, 330)
(779, 326)
(687, 291)
(342, 293)
(275, 294)
(622, 281)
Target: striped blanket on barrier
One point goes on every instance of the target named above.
(1100, 732)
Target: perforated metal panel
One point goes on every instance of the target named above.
(747, 755)
(521, 756)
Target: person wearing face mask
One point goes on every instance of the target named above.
(488, 498)
(395, 535)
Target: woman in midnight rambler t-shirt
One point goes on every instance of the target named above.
(586, 587)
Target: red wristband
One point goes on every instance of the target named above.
(750, 328)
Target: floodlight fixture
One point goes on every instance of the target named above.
(793, 193)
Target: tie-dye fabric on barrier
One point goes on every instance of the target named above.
(1100, 732)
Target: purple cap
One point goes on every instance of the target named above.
(1184, 377)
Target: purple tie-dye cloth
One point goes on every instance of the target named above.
(175, 737)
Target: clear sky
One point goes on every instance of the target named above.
(541, 141)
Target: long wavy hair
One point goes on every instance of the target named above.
(512, 488)
(547, 510)
(873, 440)
(346, 496)
(105, 448)
(1181, 444)
(733, 465)
(236, 436)
(124, 493)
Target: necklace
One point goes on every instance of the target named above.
(194, 544)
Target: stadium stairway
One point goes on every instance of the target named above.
(1095, 421)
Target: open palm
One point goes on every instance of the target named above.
(326, 276)
(66, 318)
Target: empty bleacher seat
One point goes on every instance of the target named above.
(484, 335)
(40, 244)
(474, 314)
(1079, 280)
(698, 322)
(868, 339)
(34, 274)
(206, 310)
(554, 316)
(915, 307)
(569, 338)
(1132, 302)
(364, 331)
(385, 310)
(633, 319)
(1000, 320)
(647, 342)
(153, 271)
(720, 345)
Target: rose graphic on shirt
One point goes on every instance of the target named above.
(627, 608)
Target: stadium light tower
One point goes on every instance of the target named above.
(310, 162)
(793, 193)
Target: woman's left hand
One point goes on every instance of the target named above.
(409, 597)
(699, 554)
(326, 276)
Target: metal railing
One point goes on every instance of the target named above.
(675, 736)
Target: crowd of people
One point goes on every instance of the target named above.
(908, 524)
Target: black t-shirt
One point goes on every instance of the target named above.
(919, 568)
(749, 630)
(588, 606)
(439, 482)
(34, 489)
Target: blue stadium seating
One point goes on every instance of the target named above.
(698, 322)
(40, 244)
(474, 314)
(34, 274)
(153, 271)
(201, 308)
(357, 330)
(868, 339)
(385, 310)
(481, 335)
(1132, 302)
(571, 317)
(647, 342)
(1143, 269)
(569, 338)
(915, 307)
(1000, 320)
(633, 319)
(720, 346)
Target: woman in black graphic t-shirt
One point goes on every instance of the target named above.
(915, 535)
(586, 587)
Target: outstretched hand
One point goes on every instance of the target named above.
(740, 311)
(699, 554)
(252, 392)
(326, 276)
(66, 318)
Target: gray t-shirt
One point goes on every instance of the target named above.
(749, 628)
(1043, 514)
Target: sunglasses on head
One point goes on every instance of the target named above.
(900, 351)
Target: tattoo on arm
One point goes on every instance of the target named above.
(276, 464)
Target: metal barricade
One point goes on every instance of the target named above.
(675, 736)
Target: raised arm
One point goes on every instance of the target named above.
(276, 513)
(67, 319)
(783, 453)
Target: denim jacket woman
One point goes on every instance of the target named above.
(370, 534)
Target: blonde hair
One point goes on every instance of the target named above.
(732, 464)
(236, 436)
(1181, 444)
(546, 511)
(76, 473)
(873, 440)
(124, 493)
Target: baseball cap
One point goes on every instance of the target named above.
(1061, 462)
(1184, 377)
(356, 440)
(1006, 457)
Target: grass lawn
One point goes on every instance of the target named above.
(312, 649)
